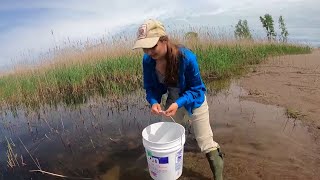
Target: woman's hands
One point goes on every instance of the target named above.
(171, 111)
(156, 109)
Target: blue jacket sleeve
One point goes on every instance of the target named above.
(148, 81)
(194, 85)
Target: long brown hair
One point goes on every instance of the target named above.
(173, 56)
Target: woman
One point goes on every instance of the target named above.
(172, 69)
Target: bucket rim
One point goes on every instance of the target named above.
(168, 141)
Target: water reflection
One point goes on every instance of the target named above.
(102, 140)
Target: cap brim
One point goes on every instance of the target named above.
(146, 43)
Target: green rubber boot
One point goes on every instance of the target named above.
(215, 159)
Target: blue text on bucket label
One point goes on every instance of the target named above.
(158, 160)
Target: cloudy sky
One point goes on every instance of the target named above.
(26, 26)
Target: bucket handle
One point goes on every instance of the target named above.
(172, 119)
(177, 123)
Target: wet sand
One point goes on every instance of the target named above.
(259, 141)
(292, 82)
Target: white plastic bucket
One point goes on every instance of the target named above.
(164, 142)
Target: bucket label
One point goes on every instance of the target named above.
(158, 160)
(179, 160)
(157, 165)
(149, 153)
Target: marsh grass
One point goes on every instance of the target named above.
(112, 69)
(294, 114)
(11, 155)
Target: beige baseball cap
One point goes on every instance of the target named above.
(149, 33)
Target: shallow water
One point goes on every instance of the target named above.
(102, 140)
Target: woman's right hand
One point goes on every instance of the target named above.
(156, 109)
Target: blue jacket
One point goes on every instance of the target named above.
(192, 88)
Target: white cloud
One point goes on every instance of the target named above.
(91, 19)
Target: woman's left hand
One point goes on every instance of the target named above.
(171, 111)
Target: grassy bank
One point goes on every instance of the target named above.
(110, 72)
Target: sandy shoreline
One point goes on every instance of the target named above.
(292, 82)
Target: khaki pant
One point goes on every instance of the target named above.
(200, 124)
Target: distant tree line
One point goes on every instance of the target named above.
(242, 30)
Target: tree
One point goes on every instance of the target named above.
(267, 23)
(284, 32)
(242, 30)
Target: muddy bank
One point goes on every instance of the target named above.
(292, 82)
